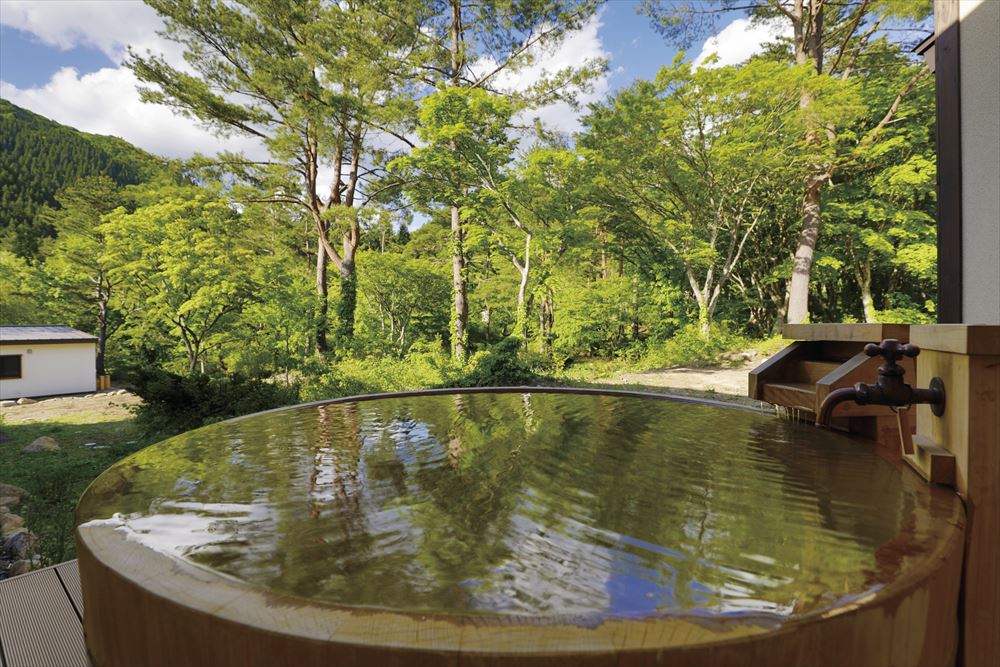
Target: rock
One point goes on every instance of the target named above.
(9, 523)
(8, 403)
(19, 545)
(121, 392)
(9, 501)
(19, 567)
(26, 401)
(42, 444)
(11, 490)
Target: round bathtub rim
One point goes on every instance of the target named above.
(730, 629)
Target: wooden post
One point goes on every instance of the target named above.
(967, 359)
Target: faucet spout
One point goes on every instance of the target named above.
(889, 390)
(833, 399)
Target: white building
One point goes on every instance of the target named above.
(46, 360)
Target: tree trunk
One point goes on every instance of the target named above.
(807, 25)
(521, 320)
(348, 299)
(322, 293)
(798, 290)
(460, 307)
(102, 324)
(547, 318)
(867, 302)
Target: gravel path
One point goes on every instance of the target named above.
(717, 383)
(108, 405)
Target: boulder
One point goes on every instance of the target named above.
(9, 523)
(19, 567)
(26, 401)
(19, 545)
(8, 403)
(8, 490)
(9, 501)
(42, 444)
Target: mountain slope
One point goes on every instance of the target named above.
(38, 157)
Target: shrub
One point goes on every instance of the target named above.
(501, 365)
(424, 367)
(689, 348)
(175, 403)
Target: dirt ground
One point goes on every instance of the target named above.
(721, 384)
(105, 406)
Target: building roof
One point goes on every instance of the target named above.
(40, 334)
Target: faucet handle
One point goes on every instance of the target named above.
(892, 350)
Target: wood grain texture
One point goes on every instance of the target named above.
(39, 626)
(967, 359)
(148, 608)
(775, 367)
(974, 339)
(849, 333)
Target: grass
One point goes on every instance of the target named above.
(55, 480)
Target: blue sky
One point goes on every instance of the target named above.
(62, 59)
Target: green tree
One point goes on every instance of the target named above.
(181, 264)
(839, 41)
(694, 158)
(473, 44)
(77, 257)
(406, 295)
(311, 81)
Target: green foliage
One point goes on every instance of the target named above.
(422, 368)
(174, 403)
(55, 480)
(501, 365)
(690, 347)
(677, 206)
(184, 266)
(40, 157)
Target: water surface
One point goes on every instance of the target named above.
(541, 504)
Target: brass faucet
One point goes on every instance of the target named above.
(889, 389)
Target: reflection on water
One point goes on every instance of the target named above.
(542, 503)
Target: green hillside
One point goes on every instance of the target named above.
(38, 157)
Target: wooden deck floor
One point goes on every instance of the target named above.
(41, 615)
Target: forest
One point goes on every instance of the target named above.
(408, 223)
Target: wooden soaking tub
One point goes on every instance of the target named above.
(517, 526)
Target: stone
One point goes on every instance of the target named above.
(9, 501)
(19, 545)
(8, 403)
(121, 392)
(26, 401)
(11, 490)
(19, 567)
(9, 523)
(42, 444)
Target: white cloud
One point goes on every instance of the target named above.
(107, 102)
(109, 26)
(577, 47)
(739, 40)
